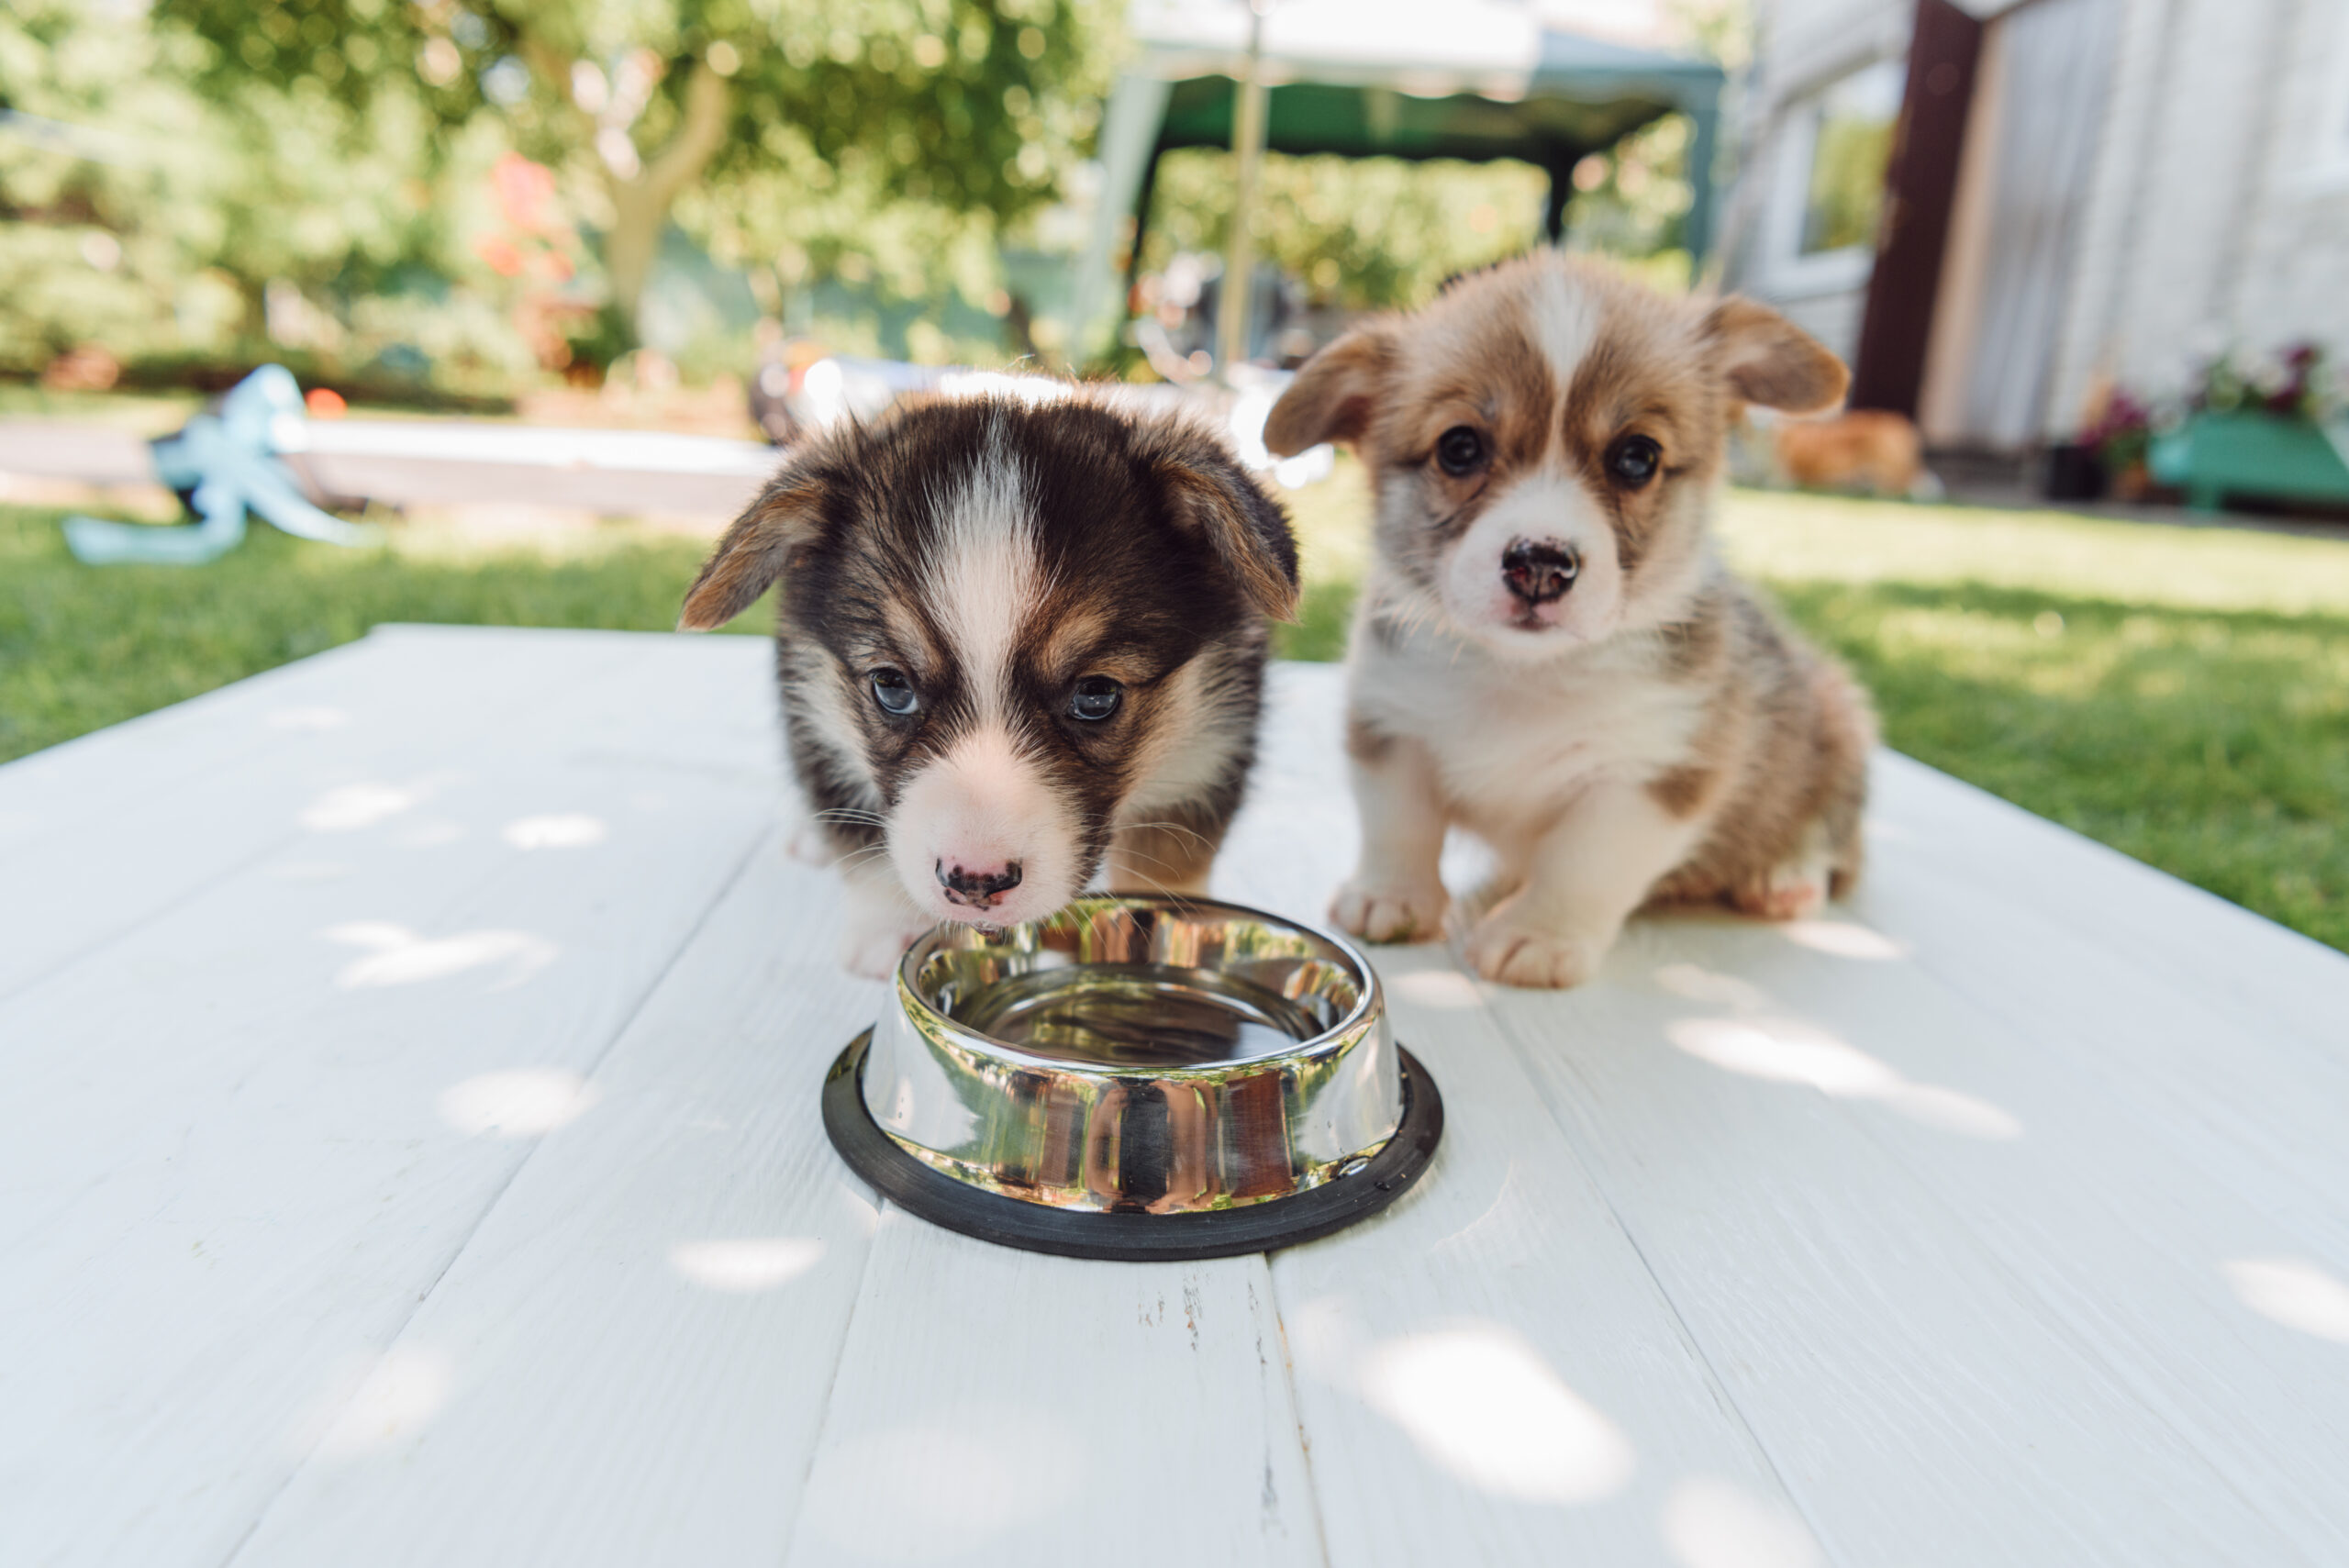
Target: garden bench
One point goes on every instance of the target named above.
(411, 1156)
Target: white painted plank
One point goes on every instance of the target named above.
(998, 1406)
(2255, 1106)
(2259, 970)
(1923, 1403)
(1001, 1406)
(390, 675)
(632, 1352)
(2118, 1231)
(98, 861)
(1488, 1372)
(242, 1142)
(695, 1433)
(134, 761)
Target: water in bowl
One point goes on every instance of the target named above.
(1137, 1015)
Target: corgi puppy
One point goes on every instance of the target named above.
(1021, 640)
(1549, 652)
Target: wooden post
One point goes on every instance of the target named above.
(1248, 150)
(1919, 187)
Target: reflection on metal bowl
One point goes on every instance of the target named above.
(1136, 1058)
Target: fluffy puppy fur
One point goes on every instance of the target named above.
(1017, 638)
(1549, 652)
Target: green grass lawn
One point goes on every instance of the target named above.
(2182, 695)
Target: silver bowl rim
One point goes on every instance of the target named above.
(1367, 1008)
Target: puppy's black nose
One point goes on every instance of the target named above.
(1538, 574)
(977, 889)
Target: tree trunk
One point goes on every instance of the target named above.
(640, 205)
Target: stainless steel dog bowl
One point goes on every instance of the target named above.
(1135, 1077)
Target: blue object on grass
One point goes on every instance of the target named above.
(224, 464)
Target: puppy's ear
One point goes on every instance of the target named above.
(1215, 501)
(752, 552)
(1768, 360)
(1334, 395)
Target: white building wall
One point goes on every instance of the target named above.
(2295, 279)
(2183, 163)
(2114, 217)
(2220, 216)
(2216, 216)
(1800, 46)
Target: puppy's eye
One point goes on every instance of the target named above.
(894, 691)
(1459, 451)
(1632, 460)
(1095, 699)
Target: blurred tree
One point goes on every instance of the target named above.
(1362, 233)
(137, 214)
(950, 103)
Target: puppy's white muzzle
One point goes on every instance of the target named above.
(1537, 573)
(981, 837)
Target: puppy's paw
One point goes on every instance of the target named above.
(1390, 912)
(1788, 893)
(873, 955)
(880, 926)
(810, 845)
(1503, 950)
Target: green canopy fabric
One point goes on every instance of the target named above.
(1468, 79)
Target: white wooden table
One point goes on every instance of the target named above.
(409, 1155)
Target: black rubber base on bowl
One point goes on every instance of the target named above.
(938, 1197)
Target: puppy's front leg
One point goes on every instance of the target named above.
(1583, 879)
(1396, 894)
(881, 923)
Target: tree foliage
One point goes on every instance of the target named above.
(1364, 233)
(966, 106)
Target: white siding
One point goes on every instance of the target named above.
(2216, 214)
(2296, 277)
(1800, 46)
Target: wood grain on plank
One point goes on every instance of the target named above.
(2247, 966)
(628, 1363)
(2111, 1222)
(1488, 1372)
(248, 1137)
(998, 1406)
(1923, 1403)
(96, 861)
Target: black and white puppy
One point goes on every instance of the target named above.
(1021, 640)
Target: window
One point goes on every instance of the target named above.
(1850, 129)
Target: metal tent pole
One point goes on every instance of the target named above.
(1248, 146)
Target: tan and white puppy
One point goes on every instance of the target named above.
(1549, 652)
(1021, 640)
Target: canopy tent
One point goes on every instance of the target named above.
(1468, 79)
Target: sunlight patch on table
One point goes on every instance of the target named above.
(1481, 1404)
(1783, 1051)
(1445, 988)
(748, 1263)
(349, 807)
(2294, 1292)
(399, 956)
(1842, 938)
(521, 1102)
(1712, 1523)
(567, 830)
(941, 1488)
